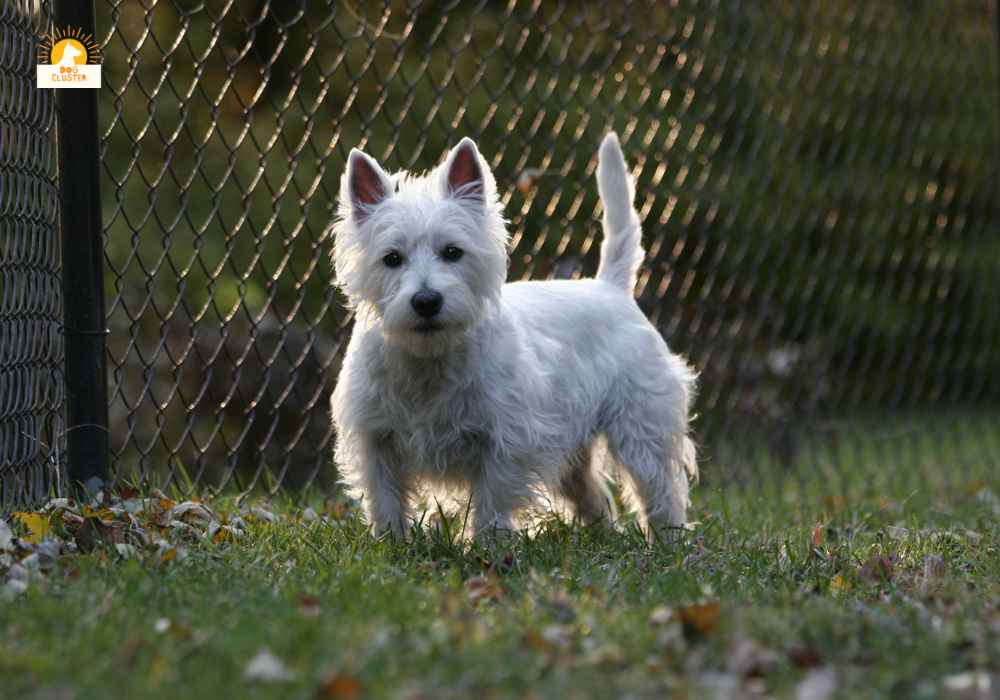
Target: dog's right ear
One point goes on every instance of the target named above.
(363, 186)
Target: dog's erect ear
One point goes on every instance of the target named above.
(365, 184)
(464, 171)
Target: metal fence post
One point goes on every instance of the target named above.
(82, 264)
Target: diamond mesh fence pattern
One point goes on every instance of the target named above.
(31, 348)
(817, 182)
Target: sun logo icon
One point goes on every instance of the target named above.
(69, 58)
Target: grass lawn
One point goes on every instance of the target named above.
(894, 596)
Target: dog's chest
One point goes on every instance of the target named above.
(435, 430)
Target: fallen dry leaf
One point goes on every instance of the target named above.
(558, 635)
(701, 619)
(805, 657)
(970, 684)
(158, 668)
(340, 687)
(817, 536)
(661, 615)
(839, 584)
(819, 684)
(605, 655)
(148, 529)
(551, 639)
(749, 659)
(878, 568)
(266, 667)
(309, 515)
(192, 512)
(37, 525)
(263, 514)
(309, 605)
(480, 588)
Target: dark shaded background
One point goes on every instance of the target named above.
(818, 181)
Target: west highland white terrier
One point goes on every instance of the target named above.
(456, 381)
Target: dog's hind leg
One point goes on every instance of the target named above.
(647, 436)
(583, 486)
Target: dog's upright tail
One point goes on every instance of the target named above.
(621, 251)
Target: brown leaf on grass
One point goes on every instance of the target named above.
(167, 552)
(126, 492)
(817, 536)
(536, 641)
(551, 639)
(93, 531)
(102, 514)
(839, 584)
(335, 509)
(159, 667)
(701, 619)
(804, 657)
(480, 588)
(339, 687)
(223, 533)
(127, 652)
(878, 568)
(308, 605)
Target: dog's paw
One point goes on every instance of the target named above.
(667, 532)
(397, 530)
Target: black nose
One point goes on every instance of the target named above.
(427, 302)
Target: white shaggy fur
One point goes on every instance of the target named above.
(506, 391)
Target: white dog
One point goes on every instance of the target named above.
(454, 379)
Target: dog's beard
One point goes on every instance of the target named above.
(425, 342)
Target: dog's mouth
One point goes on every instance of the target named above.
(428, 327)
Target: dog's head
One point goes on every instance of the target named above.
(426, 256)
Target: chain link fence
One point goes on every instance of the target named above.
(31, 348)
(818, 182)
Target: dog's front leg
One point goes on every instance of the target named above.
(494, 501)
(385, 490)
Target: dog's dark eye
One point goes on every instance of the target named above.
(393, 259)
(452, 253)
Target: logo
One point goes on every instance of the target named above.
(68, 58)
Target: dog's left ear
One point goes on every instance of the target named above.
(465, 172)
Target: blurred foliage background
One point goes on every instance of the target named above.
(818, 181)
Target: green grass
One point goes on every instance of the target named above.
(895, 596)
